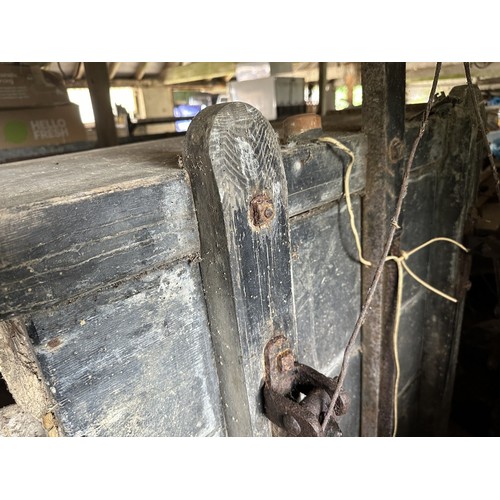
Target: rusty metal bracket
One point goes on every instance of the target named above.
(296, 397)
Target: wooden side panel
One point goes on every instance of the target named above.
(315, 171)
(135, 360)
(442, 187)
(419, 228)
(55, 252)
(455, 192)
(97, 229)
(327, 287)
(99, 273)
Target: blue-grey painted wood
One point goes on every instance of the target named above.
(315, 171)
(100, 278)
(440, 196)
(135, 360)
(327, 287)
(73, 224)
(233, 157)
(121, 341)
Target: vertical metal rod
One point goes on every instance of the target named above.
(386, 250)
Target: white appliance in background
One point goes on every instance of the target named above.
(269, 94)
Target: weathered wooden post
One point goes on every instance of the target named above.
(234, 161)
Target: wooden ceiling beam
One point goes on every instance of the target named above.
(113, 69)
(140, 71)
(196, 72)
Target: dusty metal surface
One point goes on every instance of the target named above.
(383, 115)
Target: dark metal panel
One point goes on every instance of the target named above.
(383, 114)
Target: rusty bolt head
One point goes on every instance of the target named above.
(261, 210)
(268, 212)
(291, 425)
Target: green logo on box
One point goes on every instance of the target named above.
(15, 131)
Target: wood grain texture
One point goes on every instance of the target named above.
(15, 422)
(327, 287)
(232, 155)
(455, 190)
(74, 224)
(439, 197)
(135, 360)
(315, 171)
(22, 372)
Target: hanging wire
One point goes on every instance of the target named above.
(380, 266)
(480, 123)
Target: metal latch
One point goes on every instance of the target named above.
(297, 397)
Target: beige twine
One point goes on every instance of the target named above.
(400, 262)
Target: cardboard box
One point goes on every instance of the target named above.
(20, 128)
(23, 86)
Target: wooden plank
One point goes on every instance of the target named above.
(113, 69)
(350, 119)
(327, 288)
(384, 122)
(20, 154)
(315, 171)
(135, 360)
(420, 219)
(98, 83)
(455, 190)
(141, 71)
(197, 71)
(76, 223)
(232, 156)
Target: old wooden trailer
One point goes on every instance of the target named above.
(148, 289)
